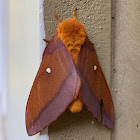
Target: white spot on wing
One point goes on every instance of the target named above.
(48, 70)
(95, 67)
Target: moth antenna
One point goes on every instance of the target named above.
(74, 12)
(57, 17)
(46, 40)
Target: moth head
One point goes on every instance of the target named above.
(70, 25)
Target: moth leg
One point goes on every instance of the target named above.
(46, 40)
(76, 105)
(74, 12)
(57, 17)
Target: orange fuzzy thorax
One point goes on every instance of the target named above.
(73, 34)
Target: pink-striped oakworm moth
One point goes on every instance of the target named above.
(68, 77)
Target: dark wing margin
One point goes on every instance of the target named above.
(52, 92)
(94, 88)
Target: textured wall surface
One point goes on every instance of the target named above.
(96, 17)
(123, 68)
(126, 63)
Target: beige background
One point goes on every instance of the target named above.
(126, 65)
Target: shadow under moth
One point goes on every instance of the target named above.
(68, 77)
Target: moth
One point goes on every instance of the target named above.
(69, 76)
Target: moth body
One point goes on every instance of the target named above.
(73, 34)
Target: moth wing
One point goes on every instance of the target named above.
(94, 88)
(52, 91)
